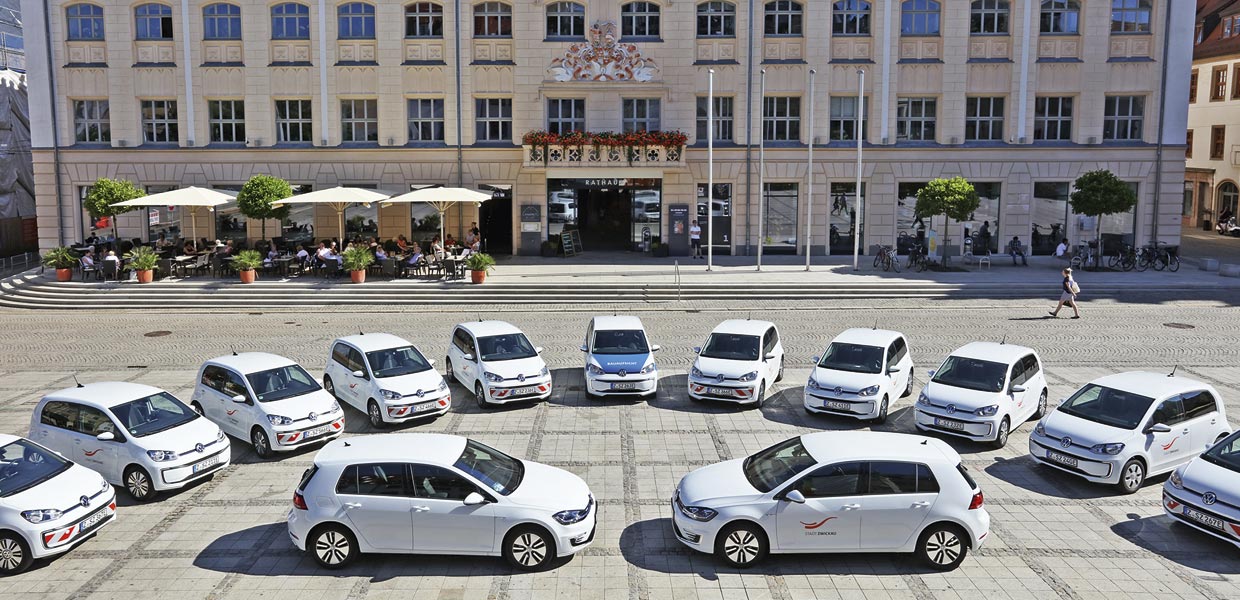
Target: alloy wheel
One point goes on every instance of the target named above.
(1132, 476)
(480, 395)
(882, 412)
(262, 445)
(329, 386)
(741, 547)
(1041, 406)
(529, 549)
(1001, 438)
(943, 547)
(12, 555)
(138, 484)
(332, 548)
(376, 418)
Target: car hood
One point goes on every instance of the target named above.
(181, 438)
(1082, 431)
(61, 491)
(613, 363)
(319, 402)
(427, 382)
(963, 398)
(510, 369)
(715, 485)
(729, 368)
(1203, 476)
(550, 488)
(848, 380)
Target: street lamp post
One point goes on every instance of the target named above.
(761, 165)
(857, 190)
(710, 170)
(809, 175)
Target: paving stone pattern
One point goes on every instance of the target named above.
(1052, 536)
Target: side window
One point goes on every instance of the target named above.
(926, 483)
(438, 483)
(1018, 373)
(843, 479)
(60, 414)
(1170, 412)
(356, 362)
(901, 349)
(1032, 367)
(893, 355)
(233, 385)
(92, 421)
(1198, 404)
(379, 479)
(348, 481)
(340, 354)
(215, 378)
(893, 478)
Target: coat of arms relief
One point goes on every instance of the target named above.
(603, 58)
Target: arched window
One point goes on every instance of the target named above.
(153, 22)
(566, 20)
(783, 18)
(85, 21)
(850, 17)
(1228, 196)
(716, 19)
(919, 17)
(290, 21)
(639, 19)
(424, 20)
(989, 16)
(492, 19)
(221, 22)
(1060, 16)
(355, 21)
(1130, 16)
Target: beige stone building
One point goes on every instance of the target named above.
(1212, 179)
(1019, 96)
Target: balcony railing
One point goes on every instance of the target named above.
(601, 156)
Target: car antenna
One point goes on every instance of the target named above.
(925, 442)
(875, 327)
(75, 380)
(234, 351)
(1171, 374)
(348, 445)
(1004, 340)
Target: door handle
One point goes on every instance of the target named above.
(851, 506)
(349, 505)
(421, 508)
(920, 504)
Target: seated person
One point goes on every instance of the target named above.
(380, 253)
(1015, 249)
(189, 247)
(302, 255)
(88, 259)
(1063, 250)
(111, 257)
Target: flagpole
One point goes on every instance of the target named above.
(761, 164)
(857, 190)
(710, 169)
(809, 176)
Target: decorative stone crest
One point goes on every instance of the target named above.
(603, 58)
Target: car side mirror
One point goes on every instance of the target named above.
(655, 348)
(474, 499)
(893, 370)
(538, 349)
(583, 348)
(430, 361)
(930, 374)
(106, 436)
(817, 359)
(468, 356)
(1158, 428)
(795, 496)
(769, 356)
(697, 349)
(1016, 389)
(239, 399)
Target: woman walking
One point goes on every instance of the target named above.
(1068, 295)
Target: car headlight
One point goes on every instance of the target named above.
(987, 411)
(104, 485)
(594, 369)
(492, 377)
(278, 420)
(1040, 429)
(695, 372)
(41, 515)
(923, 399)
(219, 436)
(870, 391)
(750, 376)
(1177, 480)
(544, 372)
(648, 369)
(697, 513)
(161, 455)
(568, 517)
(390, 395)
(1111, 449)
(443, 385)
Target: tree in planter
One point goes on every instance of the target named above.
(143, 260)
(479, 263)
(63, 260)
(105, 193)
(954, 198)
(257, 195)
(1100, 193)
(356, 259)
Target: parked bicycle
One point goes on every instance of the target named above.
(917, 258)
(887, 259)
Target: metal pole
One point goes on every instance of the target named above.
(857, 190)
(710, 169)
(1158, 153)
(809, 176)
(761, 166)
(748, 133)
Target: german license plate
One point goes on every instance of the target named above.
(949, 424)
(525, 391)
(1204, 519)
(93, 520)
(1062, 459)
(837, 405)
(624, 386)
(424, 406)
(206, 464)
(316, 432)
(718, 391)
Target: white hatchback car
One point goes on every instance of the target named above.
(854, 491)
(135, 435)
(859, 374)
(498, 363)
(47, 504)
(267, 400)
(414, 493)
(619, 358)
(739, 362)
(1205, 493)
(387, 378)
(983, 391)
(1122, 428)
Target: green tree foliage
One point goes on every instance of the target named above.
(1102, 193)
(255, 200)
(953, 197)
(103, 196)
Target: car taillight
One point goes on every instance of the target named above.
(977, 501)
(299, 502)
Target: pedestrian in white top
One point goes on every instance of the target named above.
(1067, 295)
(695, 239)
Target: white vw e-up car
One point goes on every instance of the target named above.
(498, 362)
(739, 363)
(387, 378)
(1205, 493)
(860, 374)
(619, 358)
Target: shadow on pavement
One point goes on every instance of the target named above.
(1026, 473)
(1179, 543)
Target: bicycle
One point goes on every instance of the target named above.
(917, 258)
(886, 257)
(1165, 258)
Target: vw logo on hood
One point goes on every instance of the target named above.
(419, 393)
(313, 416)
(200, 448)
(1065, 442)
(951, 409)
(622, 372)
(1209, 498)
(84, 501)
(719, 378)
(839, 390)
(521, 377)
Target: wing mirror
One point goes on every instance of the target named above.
(538, 349)
(655, 348)
(769, 356)
(583, 348)
(795, 496)
(239, 399)
(474, 499)
(817, 359)
(893, 370)
(930, 374)
(468, 357)
(1016, 389)
(106, 436)
(430, 361)
(1158, 428)
(697, 349)
(359, 373)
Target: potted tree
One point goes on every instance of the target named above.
(953, 198)
(142, 259)
(356, 259)
(1100, 193)
(101, 200)
(246, 263)
(63, 260)
(478, 264)
(257, 195)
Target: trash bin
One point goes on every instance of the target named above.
(1205, 225)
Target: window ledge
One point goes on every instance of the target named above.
(851, 35)
(423, 37)
(850, 61)
(427, 145)
(920, 35)
(919, 61)
(784, 61)
(222, 146)
(1059, 59)
(783, 36)
(155, 65)
(89, 145)
(1130, 59)
(564, 38)
(716, 37)
(1130, 33)
(994, 34)
(642, 38)
(1060, 34)
(493, 63)
(718, 144)
(989, 60)
(216, 65)
(87, 65)
(424, 63)
(357, 145)
(357, 63)
(715, 62)
(293, 145)
(292, 63)
(501, 144)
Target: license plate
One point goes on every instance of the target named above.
(1204, 519)
(1062, 459)
(837, 405)
(206, 464)
(93, 520)
(947, 424)
(524, 391)
(624, 386)
(424, 406)
(316, 432)
(718, 391)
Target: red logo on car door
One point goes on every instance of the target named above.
(91, 452)
(231, 412)
(816, 525)
(1168, 445)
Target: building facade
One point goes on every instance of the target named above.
(1020, 97)
(1212, 182)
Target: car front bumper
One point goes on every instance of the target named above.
(844, 405)
(571, 539)
(179, 475)
(631, 385)
(961, 424)
(738, 392)
(1091, 467)
(698, 535)
(46, 539)
(412, 407)
(1222, 522)
(290, 438)
(510, 391)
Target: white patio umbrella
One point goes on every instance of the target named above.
(441, 199)
(338, 198)
(191, 197)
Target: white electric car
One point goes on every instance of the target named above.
(498, 363)
(860, 374)
(739, 362)
(1205, 493)
(387, 378)
(619, 358)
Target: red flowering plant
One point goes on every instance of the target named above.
(575, 138)
(629, 139)
(539, 138)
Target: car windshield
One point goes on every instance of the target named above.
(1108, 406)
(620, 341)
(24, 465)
(972, 374)
(856, 358)
(1225, 454)
(395, 362)
(281, 383)
(731, 346)
(496, 470)
(152, 414)
(510, 346)
(770, 468)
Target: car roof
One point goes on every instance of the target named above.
(828, 446)
(369, 342)
(250, 362)
(617, 322)
(745, 326)
(6, 439)
(1152, 385)
(485, 328)
(436, 448)
(867, 337)
(992, 351)
(104, 394)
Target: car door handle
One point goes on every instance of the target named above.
(349, 505)
(851, 506)
(920, 504)
(421, 508)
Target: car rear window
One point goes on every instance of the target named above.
(967, 478)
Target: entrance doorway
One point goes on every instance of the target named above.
(605, 219)
(495, 221)
(614, 214)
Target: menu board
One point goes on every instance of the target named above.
(570, 240)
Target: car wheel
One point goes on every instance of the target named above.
(1041, 407)
(376, 417)
(450, 375)
(138, 484)
(908, 389)
(261, 443)
(481, 396)
(197, 408)
(942, 547)
(780, 376)
(1131, 476)
(741, 545)
(1001, 438)
(882, 412)
(333, 547)
(329, 386)
(14, 555)
(529, 548)
(761, 395)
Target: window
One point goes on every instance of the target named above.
(426, 120)
(1197, 33)
(566, 20)
(843, 120)
(1060, 16)
(639, 19)
(153, 22)
(1218, 139)
(915, 119)
(226, 120)
(1123, 118)
(565, 115)
(716, 19)
(1052, 118)
(1188, 144)
(493, 119)
(641, 114)
(781, 119)
(1032, 368)
(1218, 83)
(850, 17)
(493, 19)
(892, 478)
(1192, 87)
(85, 22)
(290, 22)
(294, 121)
(359, 120)
(221, 22)
(989, 16)
(347, 357)
(423, 20)
(355, 21)
(781, 216)
(1170, 412)
(437, 483)
(159, 121)
(844, 479)
(1198, 404)
(1228, 195)
(783, 18)
(1235, 83)
(92, 421)
(983, 119)
(383, 479)
(723, 118)
(1130, 16)
(919, 17)
(91, 121)
(60, 414)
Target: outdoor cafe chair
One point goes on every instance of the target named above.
(112, 270)
(88, 270)
(331, 268)
(387, 268)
